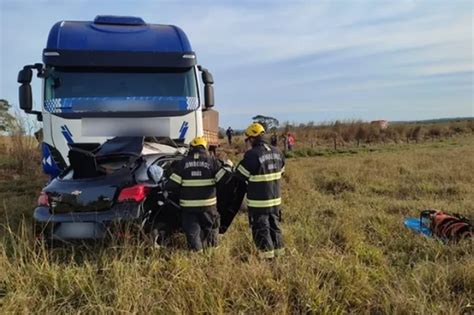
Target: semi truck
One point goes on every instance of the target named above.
(117, 76)
(108, 85)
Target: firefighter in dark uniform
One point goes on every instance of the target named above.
(261, 170)
(196, 176)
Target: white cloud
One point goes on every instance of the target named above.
(284, 32)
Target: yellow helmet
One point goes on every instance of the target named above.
(254, 130)
(198, 141)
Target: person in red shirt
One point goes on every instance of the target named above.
(291, 141)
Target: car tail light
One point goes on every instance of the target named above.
(43, 200)
(135, 193)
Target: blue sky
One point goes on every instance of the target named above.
(295, 60)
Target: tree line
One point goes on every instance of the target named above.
(341, 133)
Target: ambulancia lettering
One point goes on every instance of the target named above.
(191, 164)
(269, 156)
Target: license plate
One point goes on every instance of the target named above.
(79, 230)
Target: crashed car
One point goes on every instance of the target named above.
(120, 182)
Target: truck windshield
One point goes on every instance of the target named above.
(77, 83)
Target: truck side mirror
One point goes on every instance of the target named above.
(208, 88)
(25, 75)
(208, 96)
(26, 98)
(207, 77)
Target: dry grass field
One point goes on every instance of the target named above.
(348, 251)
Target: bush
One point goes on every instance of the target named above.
(25, 153)
(23, 147)
(416, 133)
(361, 133)
(221, 133)
(7, 120)
(434, 132)
(470, 125)
(457, 128)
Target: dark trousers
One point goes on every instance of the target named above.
(266, 231)
(163, 224)
(201, 229)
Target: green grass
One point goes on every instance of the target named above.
(347, 248)
(351, 149)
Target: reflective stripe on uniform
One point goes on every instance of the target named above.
(176, 178)
(283, 170)
(198, 182)
(265, 177)
(263, 203)
(243, 171)
(279, 252)
(220, 174)
(198, 202)
(268, 254)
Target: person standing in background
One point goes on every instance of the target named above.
(291, 141)
(229, 134)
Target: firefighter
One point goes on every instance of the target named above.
(260, 171)
(195, 177)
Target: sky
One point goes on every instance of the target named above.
(297, 61)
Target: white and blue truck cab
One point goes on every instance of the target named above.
(116, 76)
